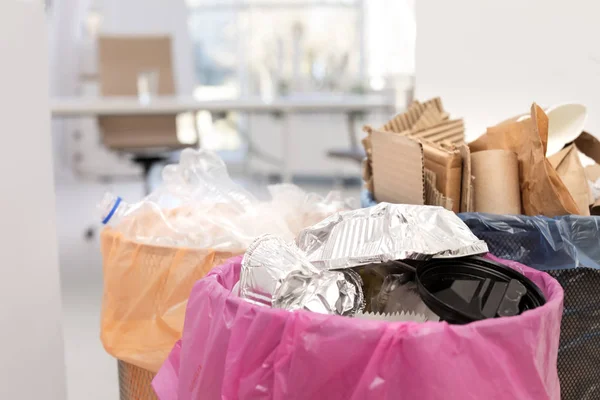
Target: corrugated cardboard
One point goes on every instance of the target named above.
(434, 196)
(405, 121)
(496, 184)
(569, 168)
(423, 126)
(466, 192)
(121, 59)
(542, 190)
(450, 130)
(447, 165)
(397, 168)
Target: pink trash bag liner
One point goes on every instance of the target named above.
(232, 349)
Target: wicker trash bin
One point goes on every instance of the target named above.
(134, 383)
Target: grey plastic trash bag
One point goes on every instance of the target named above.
(543, 243)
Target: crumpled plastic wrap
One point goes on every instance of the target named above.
(387, 232)
(199, 206)
(275, 273)
(232, 349)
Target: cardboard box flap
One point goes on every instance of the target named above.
(568, 166)
(447, 165)
(397, 168)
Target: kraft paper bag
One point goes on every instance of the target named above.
(569, 168)
(542, 190)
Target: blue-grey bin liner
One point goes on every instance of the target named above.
(568, 248)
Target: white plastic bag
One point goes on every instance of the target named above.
(199, 206)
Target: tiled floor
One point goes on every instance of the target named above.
(91, 372)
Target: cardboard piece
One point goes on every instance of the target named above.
(496, 183)
(569, 168)
(434, 196)
(466, 191)
(542, 190)
(441, 131)
(447, 165)
(397, 168)
(406, 120)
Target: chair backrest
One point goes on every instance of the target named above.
(121, 60)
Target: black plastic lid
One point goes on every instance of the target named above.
(463, 290)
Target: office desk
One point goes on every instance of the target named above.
(131, 106)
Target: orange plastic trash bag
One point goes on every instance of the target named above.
(146, 288)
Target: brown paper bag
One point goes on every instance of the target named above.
(542, 190)
(569, 168)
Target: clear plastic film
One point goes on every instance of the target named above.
(199, 206)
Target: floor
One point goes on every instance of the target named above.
(91, 372)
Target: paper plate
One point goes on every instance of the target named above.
(565, 123)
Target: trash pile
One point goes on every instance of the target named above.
(529, 164)
(388, 299)
(389, 262)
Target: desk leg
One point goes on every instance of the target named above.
(286, 172)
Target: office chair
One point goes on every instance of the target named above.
(150, 139)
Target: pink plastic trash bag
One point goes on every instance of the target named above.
(232, 349)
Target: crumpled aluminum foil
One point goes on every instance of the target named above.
(387, 232)
(266, 264)
(329, 292)
(277, 274)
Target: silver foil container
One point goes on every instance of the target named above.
(387, 232)
(266, 264)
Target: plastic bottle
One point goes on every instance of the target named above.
(112, 208)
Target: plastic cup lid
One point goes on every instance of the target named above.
(463, 290)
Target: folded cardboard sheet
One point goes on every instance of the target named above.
(397, 168)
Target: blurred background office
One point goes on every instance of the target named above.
(279, 89)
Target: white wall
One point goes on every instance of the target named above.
(490, 60)
(31, 343)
